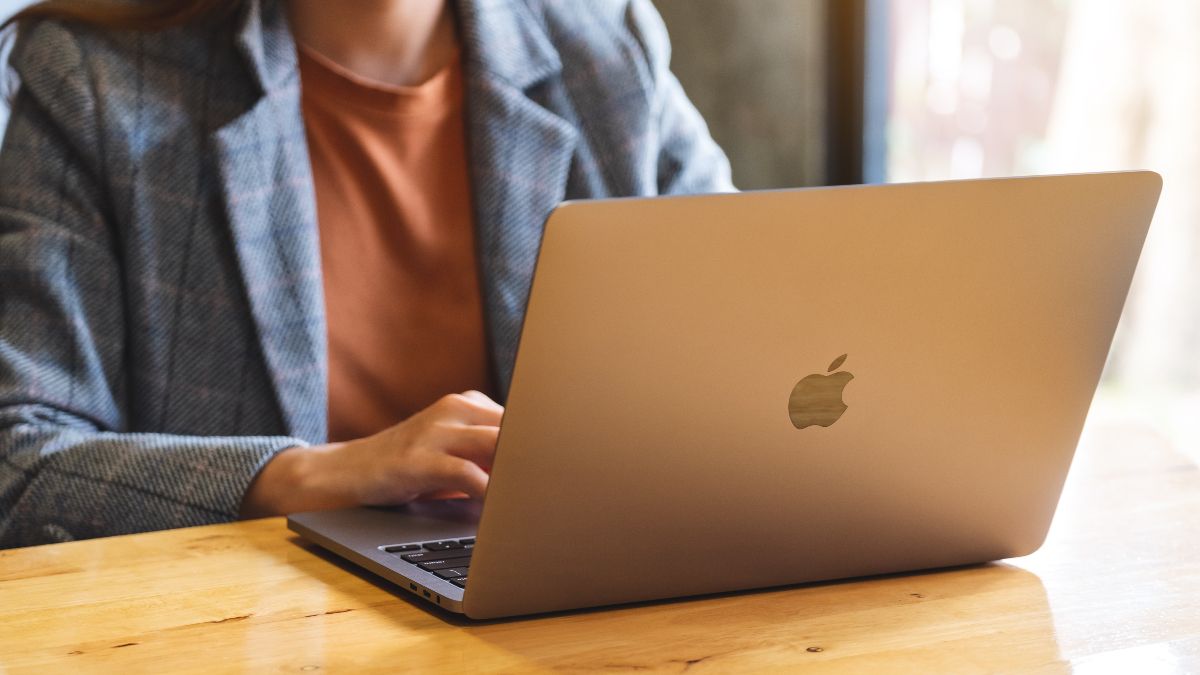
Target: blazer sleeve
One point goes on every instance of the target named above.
(68, 466)
(689, 160)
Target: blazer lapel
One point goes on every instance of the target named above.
(262, 159)
(520, 155)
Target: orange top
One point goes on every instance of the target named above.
(402, 296)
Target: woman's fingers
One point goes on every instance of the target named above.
(483, 399)
(444, 448)
(472, 408)
(455, 473)
(476, 443)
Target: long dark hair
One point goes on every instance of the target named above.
(152, 15)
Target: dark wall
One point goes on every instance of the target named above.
(756, 69)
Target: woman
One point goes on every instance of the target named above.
(250, 249)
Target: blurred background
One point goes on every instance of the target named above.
(818, 92)
(815, 92)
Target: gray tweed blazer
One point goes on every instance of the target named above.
(162, 329)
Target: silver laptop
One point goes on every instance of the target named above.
(737, 391)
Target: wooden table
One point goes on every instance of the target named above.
(1115, 589)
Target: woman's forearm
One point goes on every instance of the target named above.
(302, 478)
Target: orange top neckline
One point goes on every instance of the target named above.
(440, 93)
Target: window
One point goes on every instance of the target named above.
(1003, 87)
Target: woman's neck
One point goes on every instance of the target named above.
(400, 42)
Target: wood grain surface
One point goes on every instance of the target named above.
(1115, 589)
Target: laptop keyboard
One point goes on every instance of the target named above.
(448, 559)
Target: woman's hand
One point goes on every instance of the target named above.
(445, 447)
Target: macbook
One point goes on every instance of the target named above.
(738, 391)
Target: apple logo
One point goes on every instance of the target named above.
(817, 399)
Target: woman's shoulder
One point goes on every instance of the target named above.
(56, 60)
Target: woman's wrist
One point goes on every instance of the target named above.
(302, 478)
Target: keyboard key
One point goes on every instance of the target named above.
(397, 548)
(445, 564)
(426, 556)
(442, 545)
(470, 541)
(461, 582)
(452, 573)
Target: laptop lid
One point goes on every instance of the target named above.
(734, 391)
